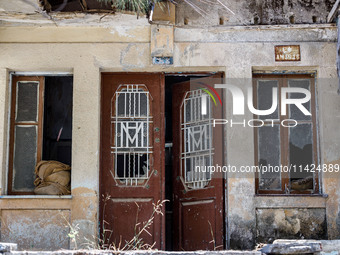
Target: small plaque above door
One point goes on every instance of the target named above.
(287, 53)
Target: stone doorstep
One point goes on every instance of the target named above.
(327, 246)
(8, 247)
(99, 252)
(280, 246)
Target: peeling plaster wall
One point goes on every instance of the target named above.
(253, 12)
(40, 224)
(92, 49)
(290, 224)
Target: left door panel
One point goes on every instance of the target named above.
(132, 149)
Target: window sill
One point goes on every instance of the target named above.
(292, 195)
(36, 197)
(35, 202)
(291, 201)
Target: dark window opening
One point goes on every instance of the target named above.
(132, 166)
(57, 140)
(76, 5)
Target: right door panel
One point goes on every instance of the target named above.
(198, 193)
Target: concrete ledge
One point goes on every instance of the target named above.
(32, 203)
(280, 34)
(8, 247)
(280, 246)
(290, 202)
(37, 196)
(98, 252)
(293, 247)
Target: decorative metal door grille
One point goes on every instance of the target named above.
(197, 149)
(131, 122)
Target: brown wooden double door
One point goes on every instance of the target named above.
(140, 112)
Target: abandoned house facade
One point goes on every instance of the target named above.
(120, 100)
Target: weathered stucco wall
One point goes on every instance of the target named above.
(38, 223)
(287, 223)
(92, 49)
(255, 51)
(253, 12)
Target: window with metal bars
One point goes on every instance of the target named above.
(197, 149)
(131, 125)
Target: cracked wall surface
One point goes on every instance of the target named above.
(253, 12)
